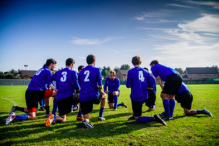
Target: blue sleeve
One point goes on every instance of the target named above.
(129, 80)
(75, 81)
(99, 78)
(50, 80)
(116, 87)
(105, 85)
(154, 71)
(149, 81)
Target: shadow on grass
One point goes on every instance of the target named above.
(70, 129)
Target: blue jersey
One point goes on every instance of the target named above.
(162, 71)
(38, 81)
(89, 78)
(153, 81)
(113, 85)
(183, 88)
(138, 80)
(66, 82)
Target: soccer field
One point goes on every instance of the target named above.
(116, 130)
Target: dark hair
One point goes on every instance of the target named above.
(49, 61)
(69, 61)
(146, 68)
(80, 67)
(136, 60)
(154, 62)
(112, 72)
(90, 59)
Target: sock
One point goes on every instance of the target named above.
(47, 109)
(79, 114)
(120, 104)
(55, 107)
(200, 112)
(145, 119)
(172, 106)
(166, 106)
(41, 103)
(54, 119)
(19, 108)
(101, 112)
(21, 117)
(72, 106)
(115, 99)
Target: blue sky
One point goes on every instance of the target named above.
(179, 33)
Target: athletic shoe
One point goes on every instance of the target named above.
(101, 119)
(41, 109)
(159, 120)
(162, 114)
(114, 108)
(49, 120)
(10, 118)
(12, 109)
(47, 115)
(79, 118)
(131, 118)
(123, 104)
(87, 124)
(72, 109)
(167, 118)
(207, 112)
(75, 108)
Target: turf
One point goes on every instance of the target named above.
(116, 130)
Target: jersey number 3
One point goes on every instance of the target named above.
(64, 77)
(141, 76)
(87, 73)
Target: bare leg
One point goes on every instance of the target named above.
(61, 118)
(189, 112)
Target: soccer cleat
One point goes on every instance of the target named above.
(162, 114)
(159, 120)
(101, 119)
(41, 109)
(131, 118)
(87, 124)
(80, 118)
(10, 118)
(114, 108)
(207, 112)
(12, 109)
(75, 108)
(49, 120)
(167, 118)
(123, 104)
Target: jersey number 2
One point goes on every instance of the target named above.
(141, 76)
(63, 79)
(87, 73)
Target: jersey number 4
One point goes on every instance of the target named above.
(87, 73)
(64, 77)
(141, 76)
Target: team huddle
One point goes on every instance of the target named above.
(83, 89)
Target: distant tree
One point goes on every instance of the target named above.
(125, 67)
(105, 71)
(13, 72)
(179, 70)
(2, 75)
(9, 76)
(116, 69)
(19, 71)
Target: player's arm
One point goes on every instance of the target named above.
(50, 79)
(116, 87)
(99, 81)
(129, 80)
(75, 82)
(105, 86)
(159, 81)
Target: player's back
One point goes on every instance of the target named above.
(183, 88)
(39, 79)
(162, 71)
(153, 81)
(66, 82)
(89, 78)
(138, 81)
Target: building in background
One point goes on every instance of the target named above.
(197, 73)
(27, 74)
(122, 75)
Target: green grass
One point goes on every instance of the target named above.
(116, 130)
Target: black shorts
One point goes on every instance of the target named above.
(172, 84)
(87, 106)
(150, 102)
(33, 97)
(137, 108)
(110, 97)
(185, 99)
(64, 105)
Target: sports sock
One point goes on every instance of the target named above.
(41, 103)
(72, 106)
(101, 112)
(120, 104)
(115, 99)
(172, 106)
(21, 117)
(54, 119)
(79, 114)
(145, 119)
(19, 109)
(47, 109)
(55, 107)
(166, 106)
(200, 112)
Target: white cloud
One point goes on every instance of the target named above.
(178, 5)
(81, 57)
(207, 23)
(215, 5)
(158, 14)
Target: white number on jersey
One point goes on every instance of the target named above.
(39, 71)
(141, 76)
(63, 79)
(87, 73)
